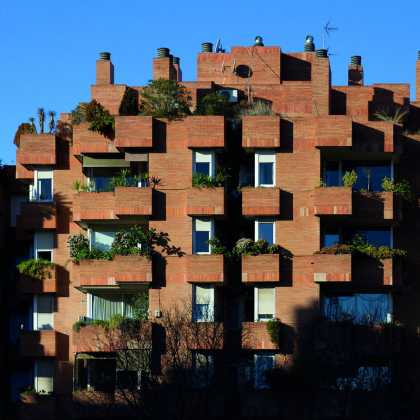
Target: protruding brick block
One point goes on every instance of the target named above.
(36, 216)
(261, 268)
(261, 131)
(206, 131)
(38, 343)
(87, 141)
(206, 201)
(262, 201)
(31, 285)
(330, 201)
(36, 149)
(133, 132)
(205, 268)
(256, 337)
(332, 268)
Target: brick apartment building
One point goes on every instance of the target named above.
(285, 187)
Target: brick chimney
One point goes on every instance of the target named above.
(418, 77)
(177, 67)
(104, 69)
(355, 74)
(163, 67)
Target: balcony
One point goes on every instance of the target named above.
(92, 338)
(36, 215)
(32, 286)
(36, 149)
(261, 268)
(205, 268)
(206, 201)
(206, 131)
(341, 201)
(123, 202)
(133, 132)
(333, 131)
(332, 268)
(262, 201)
(131, 269)
(255, 336)
(44, 343)
(86, 141)
(261, 131)
(335, 201)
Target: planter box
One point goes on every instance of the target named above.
(332, 268)
(374, 206)
(206, 201)
(36, 149)
(133, 132)
(261, 131)
(330, 201)
(122, 269)
(124, 201)
(333, 131)
(255, 336)
(87, 141)
(36, 216)
(38, 343)
(261, 268)
(30, 285)
(205, 268)
(262, 201)
(206, 131)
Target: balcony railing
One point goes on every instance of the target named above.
(130, 269)
(124, 201)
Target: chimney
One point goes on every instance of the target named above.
(355, 74)
(309, 45)
(104, 69)
(418, 77)
(177, 67)
(163, 67)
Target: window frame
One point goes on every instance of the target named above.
(36, 249)
(211, 303)
(257, 381)
(194, 231)
(264, 157)
(36, 371)
(204, 156)
(35, 313)
(266, 221)
(33, 188)
(256, 304)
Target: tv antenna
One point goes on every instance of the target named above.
(327, 29)
(219, 47)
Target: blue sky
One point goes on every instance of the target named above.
(48, 49)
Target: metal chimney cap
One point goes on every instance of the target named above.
(356, 60)
(175, 60)
(309, 45)
(105, 55)
(322, 53)
(207, 47)
(259, 41)
(162, 52)
(418, 55)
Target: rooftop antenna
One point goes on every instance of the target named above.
(327, 29)
(219, 48)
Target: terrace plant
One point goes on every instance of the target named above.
(205, 181)
(80, 250)
(214, 103)
(274, 329)
(401, 188)
(217, 247)
(38, 269)
(165, 99)
(245, 246)
(350, 178)
(398, 115)
(258, 108)
(99, 119)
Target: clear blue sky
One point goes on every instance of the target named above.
(48, 48)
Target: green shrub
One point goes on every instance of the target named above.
(81, 186)
(245, 246)
(397, 116)
(274, 327)
(258, 108)
(402, 188)
(214, 103)
(204, 181)
(124, 179)
(349, 178)
(216, 246)
(79, 249)
(165, 99)
(38, 269)
(99, 119)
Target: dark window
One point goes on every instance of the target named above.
(202, 168)
(369, 175)
(201, 241)
(45, 189)
(44, 255)
(331, 174)
(266, 173)
(266, 231)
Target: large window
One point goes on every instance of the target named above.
(202, 233)
(43, 312)
(203, 303)
(264, 303)
(265, 230)
(44, 376)
(262, 363)
(43, 246)
(265, 169)
(361, 308)
(373, 236)
(203, 163)
(103, 306)
(369, 174)
(42, 189)
(102, 239)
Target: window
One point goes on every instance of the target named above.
(43, 246)
(264, 303)
(103, 306)
(330, 238)
(265, 169)
(102, 239)
(203, 303)
(361, 308)
(369, 175)
(202, 233)
(262, 363)
(376, 237)
(44, 376)
(264, 229)
(203, 163)
(203, 368)
(332, 174)
(43, 312)
(42, 190)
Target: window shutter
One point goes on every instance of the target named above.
(44, 312)
(44, 241)
(266, 298)
(44, 376)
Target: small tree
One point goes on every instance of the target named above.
(165, 99)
